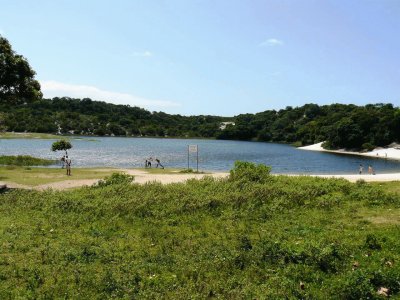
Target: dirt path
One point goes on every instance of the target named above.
(141, 177)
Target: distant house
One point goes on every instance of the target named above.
(223, 125)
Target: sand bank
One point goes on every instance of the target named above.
(386, 153)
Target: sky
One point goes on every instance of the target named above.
(212, 57)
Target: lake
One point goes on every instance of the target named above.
(214, 155)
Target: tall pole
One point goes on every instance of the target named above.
(197, 158)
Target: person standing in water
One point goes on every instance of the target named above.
(360, 169)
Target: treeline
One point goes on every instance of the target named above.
(88, 117)
(339, 125)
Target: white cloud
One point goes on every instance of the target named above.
(51, 89)
(142, 54)
(272, 42)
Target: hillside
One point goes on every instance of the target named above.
(340, 125)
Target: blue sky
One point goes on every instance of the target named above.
(215, 57)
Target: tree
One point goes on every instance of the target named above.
(17, 83)
(61, 145)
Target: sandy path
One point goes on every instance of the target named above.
(143, 177)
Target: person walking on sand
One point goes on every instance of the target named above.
(68, 163)
(159, 164)
(370, 170)
(360, 169)
(149, 162)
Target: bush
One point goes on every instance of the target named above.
(368, 146)
(250, 172)
(116, 178)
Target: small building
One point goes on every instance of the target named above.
(223, 125)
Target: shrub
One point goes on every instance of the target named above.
(250, 172)
(368, 146)
(116, 178)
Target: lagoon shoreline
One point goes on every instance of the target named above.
(385, 153)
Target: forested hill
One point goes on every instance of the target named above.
(88, 117)
(342, 126)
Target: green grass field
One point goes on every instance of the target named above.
(25, 160)
(252, 236)
(37, 176)
(27, 135)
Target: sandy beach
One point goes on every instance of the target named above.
(385, 153)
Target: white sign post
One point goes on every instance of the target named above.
(194, 149)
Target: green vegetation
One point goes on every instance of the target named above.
(27, 135)
(191, 171)
(38, 176)
(17, 83)
(61, 145)
(247, 237)
(25, 160)
(341, 126)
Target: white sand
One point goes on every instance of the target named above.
(386, 153)
(365, 177)
(389, 153)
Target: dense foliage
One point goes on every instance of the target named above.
(341, 126)
(281, 238)
(87, 117)
(24, 160)
(17, 83)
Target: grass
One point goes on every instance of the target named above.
(38, 176)
(392, 186)
(159, 170)
(27, 135)
(252, 236)
(191, 171)
(169, 171)
(25, 160)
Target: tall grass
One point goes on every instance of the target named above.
(25, 160)
(252, 237)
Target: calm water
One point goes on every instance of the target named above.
(213, 155)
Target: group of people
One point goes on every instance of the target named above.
(150, 160)
(66, 163)
(371, 170)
